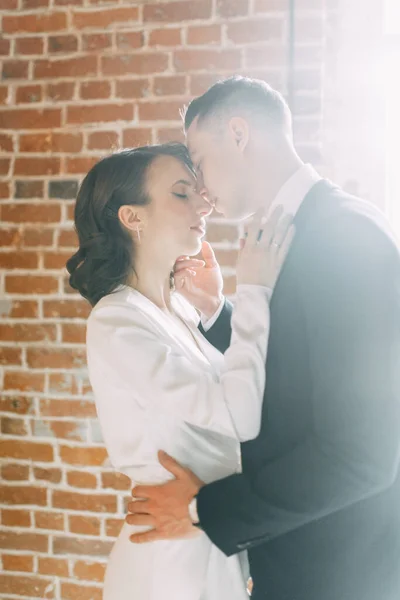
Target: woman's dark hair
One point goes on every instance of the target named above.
(105, 257)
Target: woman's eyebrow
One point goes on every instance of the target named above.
(184, 181)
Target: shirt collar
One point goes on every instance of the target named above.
(295, 189)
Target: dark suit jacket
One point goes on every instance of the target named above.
(318, 502)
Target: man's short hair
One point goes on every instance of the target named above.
(242, 95)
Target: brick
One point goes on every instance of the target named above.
(201, 82)
(160, 111)
(99, 113)
(63, 190)
(169, 85)
(82, 66)
(177, 11)
(10, 356)
(81, 479)
(5, 164)
(116, 481)
(99, 140)
(68, 430)
(8, 4)
(85, 456)
(24, 308)
(136, 137)
(27, 332)
(4, 189)
(95, 89)
(30, 118)
(55, 260)
(37, 237)
(40, 23)
(99, 503)
(79, 409)
(232, 8)
(127, 40)
(96, 41)
(73, 591)
(208, 34)
(49, 520)
(13, 540)
(140, 64)
(15, 518)
(84, 525)
(16, 404)
(32, 4)
(257, 30)
(3, 94)
(53, 566)
(64, 383)
(60, 91)
(29, 189)
(10, 237)
(50, 474)
(28, 94)
(66, 309)
(5, 47)
(35, 587)
(63, 43)
(30, 213)
(81, 546)
(165, 37)
(266, 56)
(74, 166)
(15, 69)
(89, 571)
(29, 45)
(194, 60)
(17, 563)
(67, 237)
(101, 19)
(132, 88)
(23, 380)
(170, 134)
(262, 6)
(14, 472)
(113, 527)
(74, 333)
(55, 358)
(11, 426)
(22, 450)
(23, 494)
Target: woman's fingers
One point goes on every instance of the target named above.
(188, 263)
(271, 226)
(286, 244)
(277, 235)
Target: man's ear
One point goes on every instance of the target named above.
(239, 129)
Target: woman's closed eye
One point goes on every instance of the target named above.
(182, 196)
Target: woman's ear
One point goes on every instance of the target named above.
(239, 129)
(129, 217)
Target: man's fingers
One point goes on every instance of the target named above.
(171, 464)
(141, 491)
(208, 254)
(140, 520)
(194, 263)
(146, 536)
(286, 244)
(254, 227)
(138, 506)
(270, 227)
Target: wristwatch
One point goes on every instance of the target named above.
(193, 511)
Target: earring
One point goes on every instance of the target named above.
(138, 234)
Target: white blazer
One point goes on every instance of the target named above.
(155, 388)
(152, 383)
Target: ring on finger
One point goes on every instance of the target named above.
(275, 245)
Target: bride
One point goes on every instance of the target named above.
(157, 382)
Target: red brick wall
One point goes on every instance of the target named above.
(79, 79)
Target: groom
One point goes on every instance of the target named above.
(318, 503)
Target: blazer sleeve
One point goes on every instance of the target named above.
(351, 293)
(134, 371)
(219, 335)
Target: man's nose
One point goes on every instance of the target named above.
(204, 207)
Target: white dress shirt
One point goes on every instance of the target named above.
(160, 385)
(290, 197)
